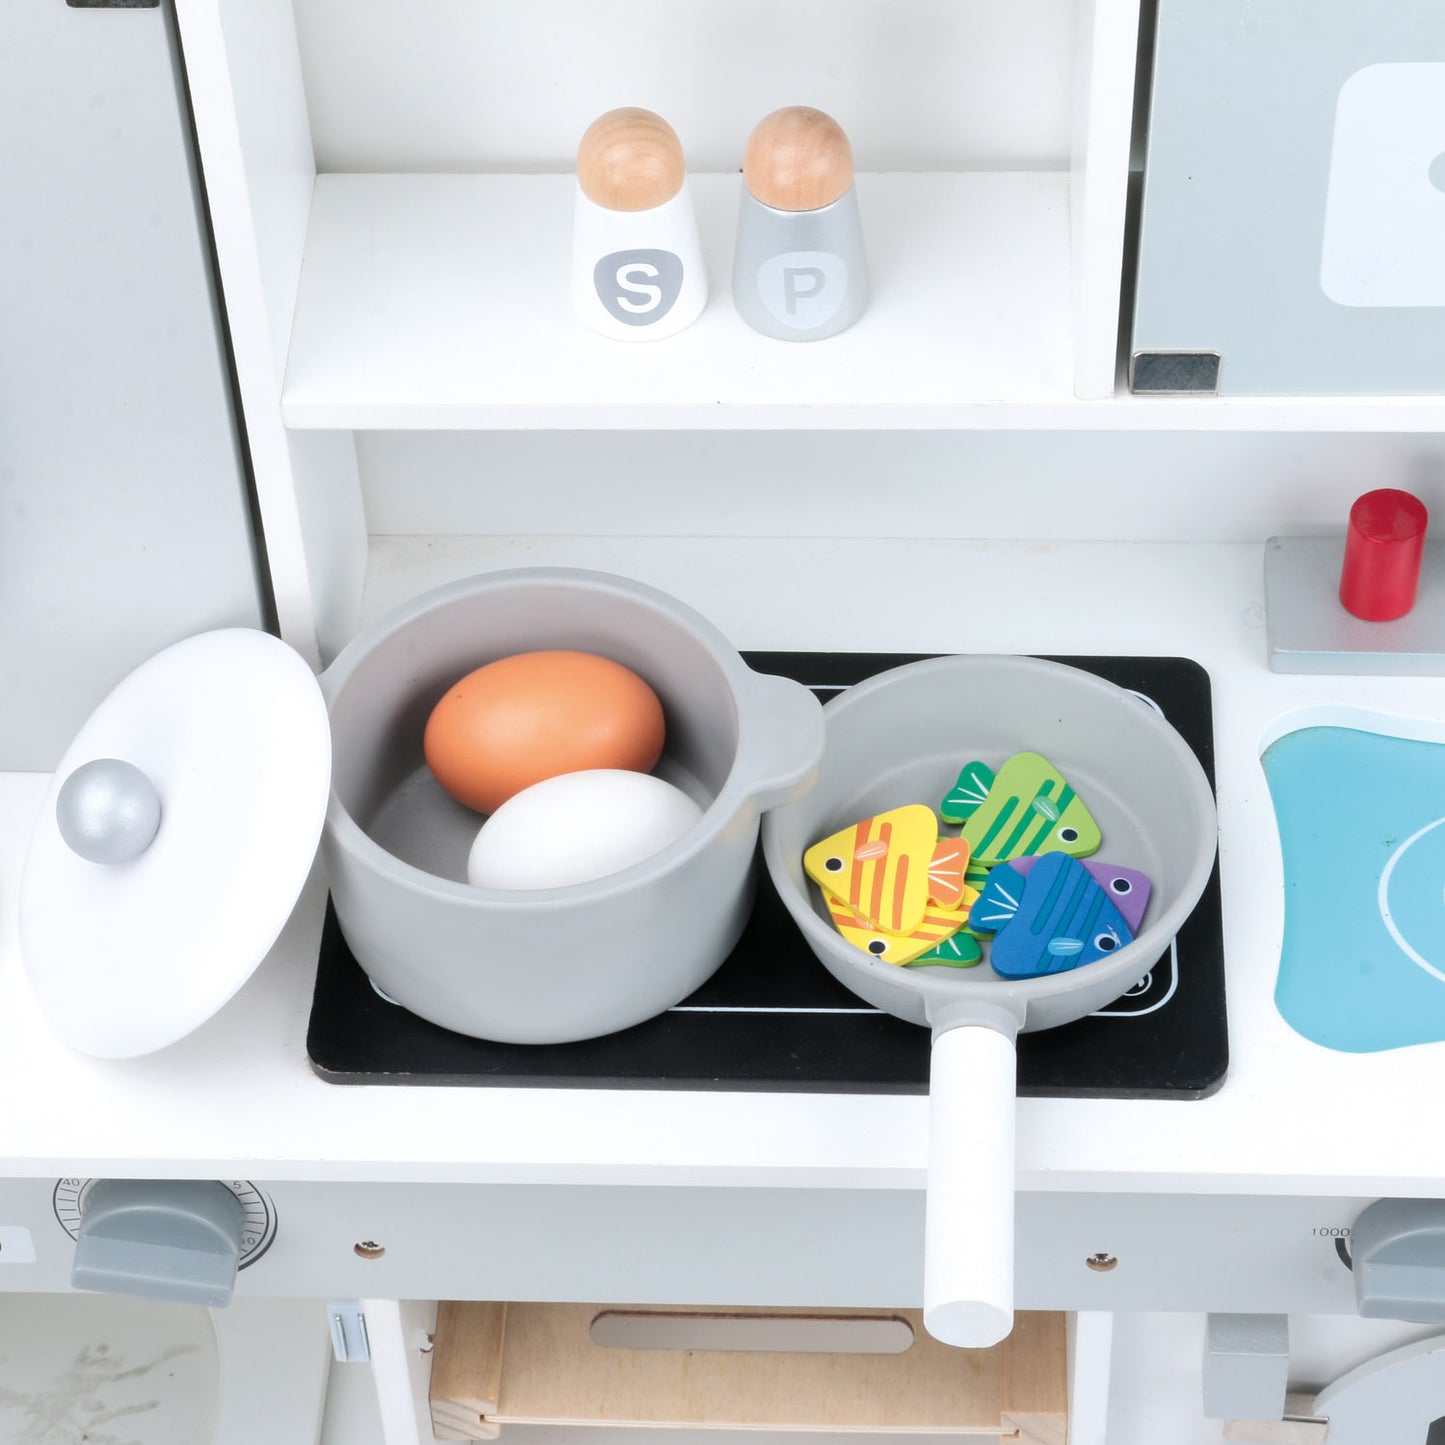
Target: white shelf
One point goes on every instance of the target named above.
(440, 302)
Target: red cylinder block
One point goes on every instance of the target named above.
(1383, 550)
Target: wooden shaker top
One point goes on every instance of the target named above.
(630, 160)
(798, 159)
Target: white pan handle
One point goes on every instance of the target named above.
(968, 1237)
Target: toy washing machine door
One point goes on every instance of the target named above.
(1397, 1397)
(102, 1367)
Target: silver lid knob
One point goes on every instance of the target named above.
(108, 811)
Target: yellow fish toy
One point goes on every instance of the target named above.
(887, 869)
(935, 928)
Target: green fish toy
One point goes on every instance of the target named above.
(1026, 808)
(962, 950)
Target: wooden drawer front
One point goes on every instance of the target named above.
(500, 1364)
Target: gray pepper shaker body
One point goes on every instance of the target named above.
(800, 275)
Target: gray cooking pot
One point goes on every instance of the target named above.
(558, 964)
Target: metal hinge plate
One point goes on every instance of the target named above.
(349, 1342)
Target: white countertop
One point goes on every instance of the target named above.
(239, 1097)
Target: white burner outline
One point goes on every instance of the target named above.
(1107, 1013)
(1382, 898)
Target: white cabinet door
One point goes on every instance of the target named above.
(124, 520)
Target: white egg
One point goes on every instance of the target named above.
(576, 827)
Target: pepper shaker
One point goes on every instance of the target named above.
(637, 269)
(799, 271)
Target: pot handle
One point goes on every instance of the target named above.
(781, 741)
(968, 1236)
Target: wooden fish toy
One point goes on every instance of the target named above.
(959, 950)
(968, 794)
(935, 927)
(1054, 919)
(998, 900)
(1027, 807)
(1128, 887)
(887, 869)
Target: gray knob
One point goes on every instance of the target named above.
(168, 1239)
(1398, 1251)
(108, 811)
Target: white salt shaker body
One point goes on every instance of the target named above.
(637, 275)
(637, 267)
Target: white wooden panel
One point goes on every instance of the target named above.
(333, 529)
(1091, 1345)
(442, 301)
(123, 514)
(1103, 123)
(275, 1357)
(455, 85)
(1026, 484)
(264, 75)
(250, 114)
(1156, 1385)
(352, 1416)
(397, 1331)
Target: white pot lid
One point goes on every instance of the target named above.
(231, 730)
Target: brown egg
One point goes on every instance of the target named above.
(532, 716)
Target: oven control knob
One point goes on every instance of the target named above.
(166, 1239)
(1397, 1248)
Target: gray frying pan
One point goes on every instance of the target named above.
(901, 737)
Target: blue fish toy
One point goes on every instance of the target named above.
(1054, 919)
(1128, 887)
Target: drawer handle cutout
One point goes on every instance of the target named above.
(779, 1333)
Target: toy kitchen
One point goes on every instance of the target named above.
(884, 391)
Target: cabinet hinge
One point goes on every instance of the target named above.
(349, 1342)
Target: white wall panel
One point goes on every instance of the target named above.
(1141, 486)
(490, 85)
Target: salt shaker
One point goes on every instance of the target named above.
(637, 269)
(799, 271)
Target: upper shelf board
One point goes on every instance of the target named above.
(433, 301)
(441, 302)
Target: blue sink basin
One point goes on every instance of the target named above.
(1361, 819)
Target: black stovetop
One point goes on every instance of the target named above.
(772, 1018)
